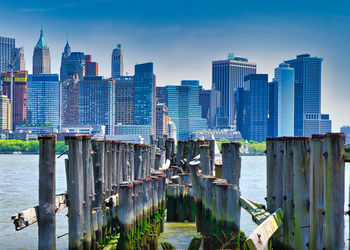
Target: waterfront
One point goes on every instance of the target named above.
(19, 190)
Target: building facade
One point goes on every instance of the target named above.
(43, 101)
(184, 109)
(70, 102)
(19, 93)
(19, 63)
(7, 46)
(161, 120)
(72, 63)
(124, 100)
(91, 68)
(41, 57)
(160, 94)
(5, 114)
(144, 95)
(255, 107)
(346, 131)
(117, 62)
(204, 102)
(227, 76)
(139, 130)
(96, 102)
(172, 130)
(307, 94)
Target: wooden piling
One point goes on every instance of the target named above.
(131, 161)
(75, 192)
(205, 159)
(180, 152)
(231, 162)
(334, 190)
(47, 192)
(301, 169)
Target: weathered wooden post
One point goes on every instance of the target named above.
(87, 179)
(197, 192)
(190, 154)
(47, 192)
(75, 192)
(98, 147)
(131, 161)
(125, 215)
(301, 169)
(180, 152)
(231, 162)
(207, 207)
(157, 164)
(288, 193)
(205, 159)
(218, 168)
(270, 173)
(170, 147)
(334, 190)
(137, 161)
(212, 154)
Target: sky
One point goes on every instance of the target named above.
(182, 38)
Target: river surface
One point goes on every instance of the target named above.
(19, 190)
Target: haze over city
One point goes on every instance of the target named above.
(183, 37)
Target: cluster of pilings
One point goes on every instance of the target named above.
(305, 177)
(217, 197)
(112, 191)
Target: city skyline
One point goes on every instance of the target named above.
(266, 34)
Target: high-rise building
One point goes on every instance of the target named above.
(144, 94)
(307, 94)
(184, 109)
(346, 131)
(160, 94)
(7, 45)
(143, 131)
(255, 107)
(172, 130)
(227, 76)
(19, 63)
(272, 127)
(117, 62)
(19, 94)
(161, 120)
(70, 102)
(5, 113)
(72, 63)
(91, 68)
(124, 100)
(284, 78)
(41, 57)
(96, 102)
(204, 102)
(43, 101)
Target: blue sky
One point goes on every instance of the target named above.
(183, 37)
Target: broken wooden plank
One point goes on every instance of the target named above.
(261, 235)
(30, 216)
(259, 214)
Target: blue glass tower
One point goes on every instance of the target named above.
(184, 109)
(7, 45)
(43, 100)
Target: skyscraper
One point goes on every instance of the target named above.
(161, 120)
(144, 95)
(18, 60)
(7, 45)
(117, 62)
(96, 102)
(124, 100)
(204, 101)
(19, 94)
(255, 107)
(70, 102)
(307, 94)
(184, 109)
(43, 101)
(227, 76)
(72, 63)
(91, 68)
(284, 78)
(5, 113)
(41, 57)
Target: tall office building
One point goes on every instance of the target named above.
(70, 102)
(184, 109)
(307, 95)
(5, 113)
(284, 94)
(124, 100)
(19, 63)
(19, 94)
(72, 63)
(41, 57)
(160, 94)
(91, 68)
(117, 62)
(255, 107)
(272, 126)
(346, 131)
(7, 45)
(161, 120)
(43, 101)
(144, 95)
(227, 76)
(204, 102)
(96, 102)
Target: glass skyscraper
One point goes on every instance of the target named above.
(7, 45)
(227, 76)
(184, 109)
(307, 95)
(43, 101)
(117, 62)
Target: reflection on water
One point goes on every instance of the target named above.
(19, 190)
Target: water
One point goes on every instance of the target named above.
(19, 190)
